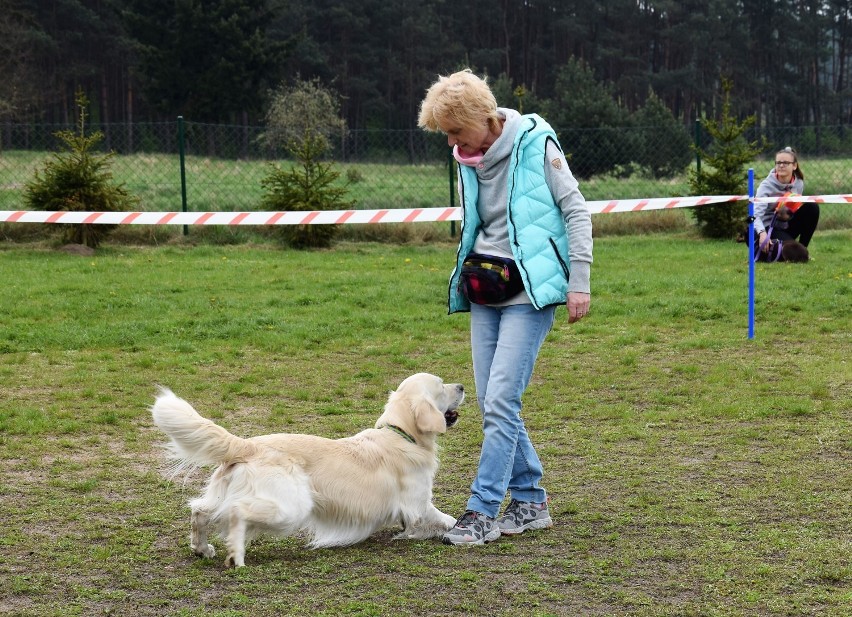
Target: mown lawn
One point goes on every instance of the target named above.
(692, 471)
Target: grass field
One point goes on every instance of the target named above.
(693, 472)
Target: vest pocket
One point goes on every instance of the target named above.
(561, 261)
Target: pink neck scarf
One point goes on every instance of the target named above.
(471, 160)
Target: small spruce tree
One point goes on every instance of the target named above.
(305, 117)
(79, 179)
(307, 186)
(725, 172)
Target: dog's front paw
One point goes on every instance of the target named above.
(206, 551)
(448, 521)
(421, 533)
(405, 535)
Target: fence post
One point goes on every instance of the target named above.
(182, 170)
(452, 191)
(697, 146)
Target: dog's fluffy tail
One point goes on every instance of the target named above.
(195, 440)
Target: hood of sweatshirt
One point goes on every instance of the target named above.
(773, 186)
(502, 146)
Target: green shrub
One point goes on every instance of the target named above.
(822, 140)
(303, 118)
(662, 145)
(354, 175)
(79, 179)
(724, 172)
(589, 121)
(309, 185)
(301, 109)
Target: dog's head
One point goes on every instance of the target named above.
(783, 213)
(424, 404)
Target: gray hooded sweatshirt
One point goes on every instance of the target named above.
(493, 238)
(772, 187)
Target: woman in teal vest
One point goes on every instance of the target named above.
(525, 249)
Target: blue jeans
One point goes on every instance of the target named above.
(505, 343)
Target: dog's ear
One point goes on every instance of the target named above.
(429, 418)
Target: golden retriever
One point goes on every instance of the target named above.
(335, 492)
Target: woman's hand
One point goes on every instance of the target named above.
(760, 238)
(578, 305)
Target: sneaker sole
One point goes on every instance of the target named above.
(489, 537)
(545, 523)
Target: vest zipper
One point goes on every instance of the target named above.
(456, 270)
(560, 260)
(517, 157)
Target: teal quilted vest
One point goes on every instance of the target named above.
(537, 232)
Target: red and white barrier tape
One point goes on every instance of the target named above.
(338, 217)
(820, 199)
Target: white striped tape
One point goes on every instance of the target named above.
(338, 217)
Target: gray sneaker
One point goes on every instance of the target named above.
(520, 516)
(471, 529)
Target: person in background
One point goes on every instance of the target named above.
(525, 248)
(790, 221)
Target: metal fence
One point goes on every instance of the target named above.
(225, 165)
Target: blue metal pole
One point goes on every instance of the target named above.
(751, 253)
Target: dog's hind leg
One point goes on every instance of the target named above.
(248, 517)
(199, 521)
(236, 540)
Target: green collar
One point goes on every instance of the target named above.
(400, 432)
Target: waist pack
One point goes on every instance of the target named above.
(487, 279)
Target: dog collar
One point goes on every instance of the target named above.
(400, 432)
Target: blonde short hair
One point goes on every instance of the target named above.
(462, 98)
